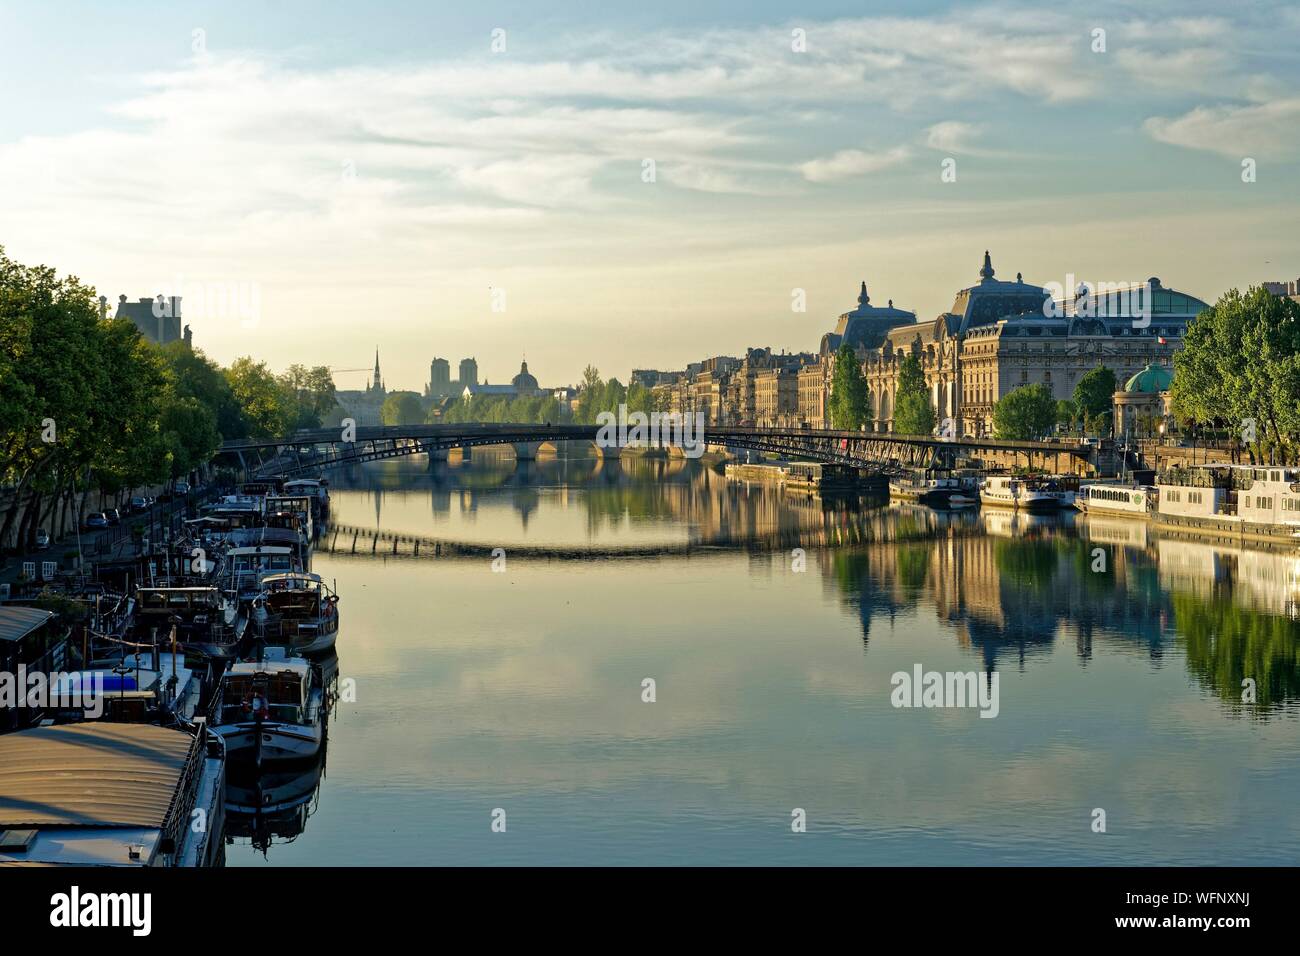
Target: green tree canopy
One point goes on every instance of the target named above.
(402, 408)
(1095, 393)
(268, 408)
(850, 405)
(913, 413)
(1025, 414)
(1240, 367)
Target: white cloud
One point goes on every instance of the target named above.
(851, 162)
(951, 136)
(1264, 131)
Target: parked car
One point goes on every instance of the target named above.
(182, 487)
(113, 515)
(42, 539)
(139, 504)
(95, 520)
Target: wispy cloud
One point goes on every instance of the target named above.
(952, 136)
(851, 162)
(1267, 130)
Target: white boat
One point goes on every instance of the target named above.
(1028, 494)
(1110, 498)
(272, 710)
(1244, 499)
(298, 611)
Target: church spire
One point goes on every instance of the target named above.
(863, 298)
(987, 272)
(379, 381)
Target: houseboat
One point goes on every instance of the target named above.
(298, 611)
(315, 488)
(935, 489)
(31, 640)
(111, 794)
(206, 621)
(291, 511)
(244, 567)
(1046, 493)
(1115, 499)
(277, 537)
(272, 710)
(1260, 501)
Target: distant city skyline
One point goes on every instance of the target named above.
(343, 180)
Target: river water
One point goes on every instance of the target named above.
(509, 687)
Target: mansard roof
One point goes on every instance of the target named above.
(992, 299)
(867, 324)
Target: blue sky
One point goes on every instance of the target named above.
(370, 175)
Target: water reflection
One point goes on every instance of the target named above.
(1121, 656)
(272, 806)
(1008, 585)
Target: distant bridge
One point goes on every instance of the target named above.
(883, 453)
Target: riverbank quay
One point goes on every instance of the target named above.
(68, 557)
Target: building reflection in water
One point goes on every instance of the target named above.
(1008, 586)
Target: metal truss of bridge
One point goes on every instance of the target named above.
(887, 453)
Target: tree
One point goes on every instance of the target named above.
(313, 393)
(1240, 367)
(913, 414)
(191, 374)
(1094, 395)
(1025, 414)
(402, 408)
(269, 411)
(850, 405)
(190, 432)
(1066, 412)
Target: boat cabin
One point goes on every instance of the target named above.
(1252, 494)
(32, 639)
(282, 684)
(246, 565)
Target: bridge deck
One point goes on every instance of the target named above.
(883, 453)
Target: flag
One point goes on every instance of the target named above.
(1162, 340)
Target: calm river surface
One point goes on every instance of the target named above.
(521, 690)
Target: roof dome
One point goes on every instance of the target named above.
(523, 381)
(1153, 378)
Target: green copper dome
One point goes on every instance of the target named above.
(1153, 378)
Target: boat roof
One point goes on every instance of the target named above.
(260, 549)
(17, 622)
(301, 668)
(101, 775)
(192, 589)
(292, 576)
(266, 534)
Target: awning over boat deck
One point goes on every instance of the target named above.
(91, 775)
